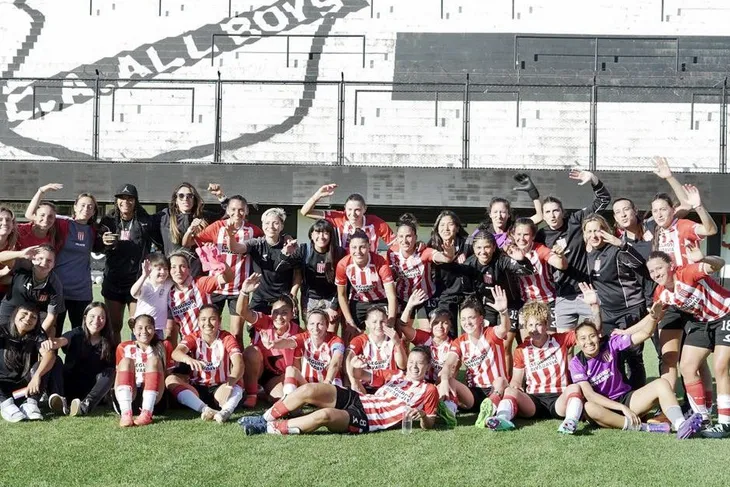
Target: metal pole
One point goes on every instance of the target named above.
(95, 135)
(723, 128)
(218, 119)
(341, 121)
(593, 128)
(465, 127)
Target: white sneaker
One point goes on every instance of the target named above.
(31, 410)
(58, 404)
(223, 415)
(208, 413)
(12, 413)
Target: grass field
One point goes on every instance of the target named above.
(179, 449)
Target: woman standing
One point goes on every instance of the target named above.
(8, 241)
(127, 239)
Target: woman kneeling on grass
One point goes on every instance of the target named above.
(21, 374)
(141, 366)
(210, 366)
(345, 411)
(610, 402)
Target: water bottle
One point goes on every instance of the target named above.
(407, 423)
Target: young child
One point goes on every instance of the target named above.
(141, 367)
(152, 290)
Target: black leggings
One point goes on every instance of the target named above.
(90, 388)
(75, 311)
(48, 382)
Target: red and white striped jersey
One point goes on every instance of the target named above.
(140, 355)
(484, 361)
(377, 357)
(546, 367)
(696, 293)
(217, 357)
(386, 407)
(411, 273)
(184, 306)
(438, 352)
(275, 360)
(674, 240)
(240, 263)
(373, 227)
(538, 286)
(316, 360)
(367, 283)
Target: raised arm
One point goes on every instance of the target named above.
(399, 350)
(525, 184)
(248, 286)
(27, 253)
(406, 317)
(500, 306)
(284, 343)
(709, 227)
(136, 290)
(644, 329)
(323, 192)
(590, 297)
(448, 371)
(662, 169)
(601, 198)
(38, 196)
(557, 257)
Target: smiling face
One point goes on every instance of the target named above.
(159, 273)
(660, 272)
(272, 227)
(523, 237)
(354, 210)
(281, 314)
(417, 366)
(360, 251)
(375, 322)
(471, 322)
(499, 214)
(553, 215)
(184, 199)
(209, 323)
(662, 212)
(144, 330)
(44, 217)
(537, 330)
(179, 269)
(25, 321)
(321, 239)
(484, 250)
(447, 228)
(84, 208)
(237, 211)
(126, 204)
(95, 320)
(406, 238)
(588, 341)
(7, 223)
(43, 262)
(440, 326)
(624, 214)
(317, 326)
(592, 234)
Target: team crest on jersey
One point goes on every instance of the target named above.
(321, 267)
(488, 278)
(80, 236)
(607, 357)
(597, 265)
(42, 298)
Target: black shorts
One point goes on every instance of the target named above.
(625, 399)
(118, 294)
(491, 318)
(220, 300)
(674, 319)
(621, 320)
(205, 393)
(545, 405)
(270, 371)
(160, 407)
(349, 400)
(418, 312)
(480, 394)
(359, 310)
(709, 335)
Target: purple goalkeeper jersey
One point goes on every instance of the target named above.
(602, 372)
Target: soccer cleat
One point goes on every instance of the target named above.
(248, 420)
(144, 418)
(568, 427)
(495, 423)
(31, 410)
(690, 427)
(446, 415)
(658, 418)
(58, 404)
(250, 401)
(208, 413)
(222, 416)
(656, 428)
(126, 420)
(706, 420)
(486, 410)
(12, 413)
(254, 429)
(720, 430)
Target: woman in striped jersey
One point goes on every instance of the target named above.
(692, 289)
(411, 263)
(345, 411)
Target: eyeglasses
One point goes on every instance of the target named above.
(185, 196)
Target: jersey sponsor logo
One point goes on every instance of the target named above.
(394, 389)
(364, 288)
(601, 378)
(550, 361)
(379, 364)
(473, 362)
(317, 365)
(140, 367)
(210, 366)
(182, 308)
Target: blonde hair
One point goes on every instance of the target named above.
(595, 218)
(277, 212)
(536, 310)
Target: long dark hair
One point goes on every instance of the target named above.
(668, 200)
(17, 354)
(138, 212)
(54, 235)
(617, 228)
(175, 234)
(94, 219)
(157, 345)
(330, 261)
(107, 336)
(436, 242)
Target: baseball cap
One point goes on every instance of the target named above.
(127, 190)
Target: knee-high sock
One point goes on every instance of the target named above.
(123, 390)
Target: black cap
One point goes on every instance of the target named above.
(127, 190)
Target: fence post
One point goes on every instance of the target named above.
(218, 118)
(723, 128)
(465, 127)
(341, 121)
(95, 116)
(593, 127)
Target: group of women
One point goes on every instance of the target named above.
(329, 322)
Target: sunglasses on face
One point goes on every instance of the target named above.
(185, 196)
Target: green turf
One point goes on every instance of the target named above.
(179, 449)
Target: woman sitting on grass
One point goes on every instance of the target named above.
(346, 411)
(141, 367)
(610, 402)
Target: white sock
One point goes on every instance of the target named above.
(506, 408)
(149, 398)
(31, 401)
(574, 409)
(233, 399)
(288, 389)
(267, 415)
(189, 399)
(723, 408)
(630, 427)
(124, 398)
